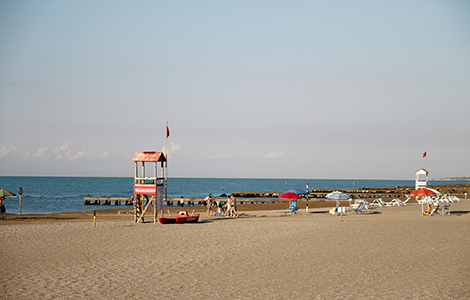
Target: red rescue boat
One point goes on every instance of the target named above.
(182, 217)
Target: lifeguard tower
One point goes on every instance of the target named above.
(148, 188)
(421, 181)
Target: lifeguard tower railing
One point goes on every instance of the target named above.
(148, 186)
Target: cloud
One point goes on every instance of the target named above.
(274, 155)
(41, 153)
(64, 152)
(26, 156)
(220, 155)
(83, 154)
(63, 148)
(4, 151)
(172, 149)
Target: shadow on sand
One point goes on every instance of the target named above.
(459, 212)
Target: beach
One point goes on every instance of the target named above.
(384, 253)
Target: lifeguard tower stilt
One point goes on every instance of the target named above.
(148, 188)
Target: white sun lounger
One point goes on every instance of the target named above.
(357, 209)
(379, 202)
(398, 202)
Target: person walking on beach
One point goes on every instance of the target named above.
(233, 210)
(229, 207)
(2, 208)
(209, 200)
(181, 201)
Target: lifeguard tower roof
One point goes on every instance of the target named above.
(149, 156)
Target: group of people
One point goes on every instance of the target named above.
(226, 208)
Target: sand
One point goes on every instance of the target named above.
(384, 253)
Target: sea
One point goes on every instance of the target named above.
(43, 195)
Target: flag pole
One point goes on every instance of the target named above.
(167, 134)
(426, 159)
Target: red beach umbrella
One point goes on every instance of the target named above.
(289, 195)
(422, 192)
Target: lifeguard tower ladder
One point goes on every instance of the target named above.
(148, 188)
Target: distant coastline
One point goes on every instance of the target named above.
(453, 179)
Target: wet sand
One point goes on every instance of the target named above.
(384, 253)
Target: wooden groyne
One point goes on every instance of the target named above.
(367, 192)
(108, 200)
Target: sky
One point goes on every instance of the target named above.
(250, 89)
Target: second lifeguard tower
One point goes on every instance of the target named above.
(421, 181)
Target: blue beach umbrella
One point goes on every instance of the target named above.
(337, 195)
(297, 191)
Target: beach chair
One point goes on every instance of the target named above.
(357, 209)
(436, 209)
(407, 199)
(446, 199)
(379, 202)
(398, 202)
(425, 200)
(356, 204)
(366, 204)
(291, 209)
(445, 210)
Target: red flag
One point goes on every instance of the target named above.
(425, 153)
(167, 131)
